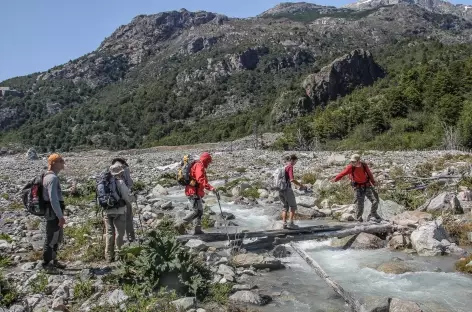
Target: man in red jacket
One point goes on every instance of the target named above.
(363, 182)
(196, 191)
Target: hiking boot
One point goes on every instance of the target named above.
(58, 265)
(198, 231)
(360, 220)
(285, 225)
(50, 269)
(374, 218)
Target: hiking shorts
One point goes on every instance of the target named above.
(287, 197)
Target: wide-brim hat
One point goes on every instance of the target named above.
(116, 169)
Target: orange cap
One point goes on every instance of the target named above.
(54, 158)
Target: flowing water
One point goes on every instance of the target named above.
(299, 289)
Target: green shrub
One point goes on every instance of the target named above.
(219, 293)
(138, 186)
(5, 260)
(5, 196)
(309, 178)
(5, 237)
(83, 290)
(251, 192)
(164, 262)
(8, 292)
(39, 283)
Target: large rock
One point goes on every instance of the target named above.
(306, 201)
(304, 213)
(399, 241)
(257, 261)
(367, 241)
(184, 303)
(159, 190)
(342, 76)
(395, 267)
(411, 218)
(387, 209)
(117, 297)
(375, 304)
(197, 245)
(280, 251)
(249, 297)
(344, 242)
(446, 201)
(31, 154)
(431, 239)
(398, 305)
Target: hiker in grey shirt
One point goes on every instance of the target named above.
(126, 177)
(115, 218)
(54, 218)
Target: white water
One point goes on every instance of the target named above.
(352, 269)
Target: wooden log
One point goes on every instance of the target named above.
(353, 303)
(372, 229)
(214, 237)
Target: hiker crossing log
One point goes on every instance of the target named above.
(264, 239)
(353, 303)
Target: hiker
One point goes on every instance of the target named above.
(195, 191)
(363, 183)
(54, 217)
(130, 233)
(287, 196)
(115, 218)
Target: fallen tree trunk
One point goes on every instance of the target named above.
(372, 229)
(353, 303)
(214, 237)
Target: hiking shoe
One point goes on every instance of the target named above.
(58, 265)
(198, 231)
(285, 225)
(50, 269)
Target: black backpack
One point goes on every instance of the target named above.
(32, 196)
(107, 192)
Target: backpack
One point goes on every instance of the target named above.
(353, 183)
(183, 173)
(32, 196)
(279, 181)
(107, 192)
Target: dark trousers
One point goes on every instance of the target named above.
(53, 236)
(369, 192)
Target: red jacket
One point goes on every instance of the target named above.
(198, 173)
(361, 174)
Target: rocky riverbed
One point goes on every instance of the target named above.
(425, 195)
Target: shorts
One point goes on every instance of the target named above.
(287, 197)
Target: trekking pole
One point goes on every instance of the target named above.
(140, 222)
(224, 219)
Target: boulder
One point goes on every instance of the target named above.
(309, 213)
(367, 241)
(184, 303)
(159, 190)
(398, 305)
(446, 201)
(256, 261)
(395, 267)
(197, 245)
(344, 242)
(280, 251)
(431, 239)
(306, 201)
(411, 218)
(399, 241)
(375, 304)
(347, 217)
(117, 297)
(31, 154)
(249, 297)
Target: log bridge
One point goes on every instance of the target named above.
(270, 238)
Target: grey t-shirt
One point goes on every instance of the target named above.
(52, 193)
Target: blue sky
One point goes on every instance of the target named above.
(39, 34)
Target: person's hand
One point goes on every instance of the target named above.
(62, 221)
(217, 194)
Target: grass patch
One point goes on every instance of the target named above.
(458, 231)
(5, 196)
(138, 186)
(251, 192)
(39, 283)
(36, 255)
(5, 261)
(81, 243)
(309, 178)
(338, 193)
(219, 293)
(8, 292)
(5, 237)
(461, 265)
(83, 290)
(16, 206)
(240, 170)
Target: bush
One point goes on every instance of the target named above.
(461, 265)
(8, 292)
(138, 186)
(5, 237)
(219, 293)
(309, 178)
(39, 283)
(251, 192)
(458, 230)
(83, 290)
(165, 262)
(5, 260)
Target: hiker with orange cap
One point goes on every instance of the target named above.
(195, 191)
(54, 217)
(363, 182)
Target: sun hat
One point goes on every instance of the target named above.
(116, 169)
(355, 157)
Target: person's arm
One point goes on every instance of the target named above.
(343, 173)
(201, 178)
(124, 192)
(292, 179)
(371, 176)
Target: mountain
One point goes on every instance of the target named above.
(436, 6)
(183, 77)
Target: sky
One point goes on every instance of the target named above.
(39, 34)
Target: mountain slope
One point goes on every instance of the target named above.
(167, 78)
(436, 6)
